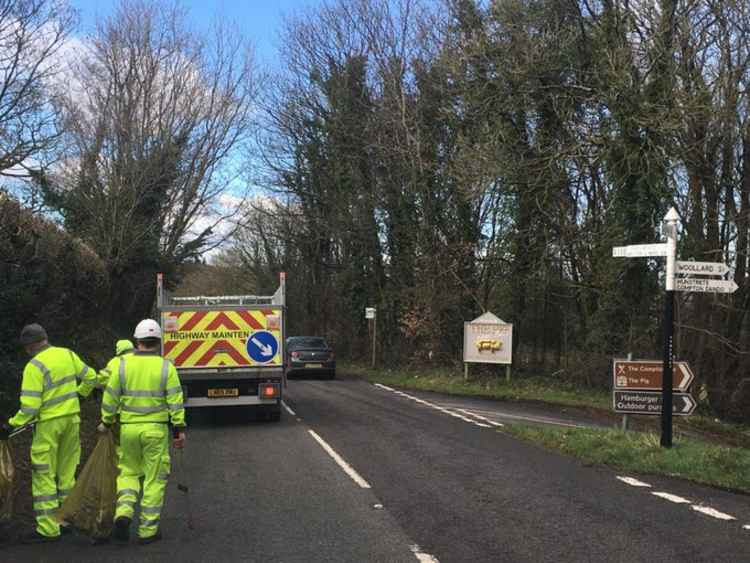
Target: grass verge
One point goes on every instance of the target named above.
(691, 459)
(520, 389)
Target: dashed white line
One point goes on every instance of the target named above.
(633, 482)
(290, 411)
(671, 498)
(707, 510)
(348, 469)
(422, 556)
(746, 527)
(711, 512)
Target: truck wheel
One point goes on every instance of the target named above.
(275, 415)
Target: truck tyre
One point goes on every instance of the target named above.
(275, 415)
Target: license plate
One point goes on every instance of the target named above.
(313, 365)
(214, 393)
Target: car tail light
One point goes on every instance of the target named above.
(295, 355)
(268, 390)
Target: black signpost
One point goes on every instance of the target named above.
(666, 376)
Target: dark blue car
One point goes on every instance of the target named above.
(310, 355)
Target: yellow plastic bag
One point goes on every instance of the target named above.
(90, 508)
(7, 474)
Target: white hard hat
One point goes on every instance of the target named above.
(147, 328)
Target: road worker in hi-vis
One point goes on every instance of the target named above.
(49, 400)
(146, 392)
(122, 348)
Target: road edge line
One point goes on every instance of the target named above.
(422, 556)
(290, 411)
(348, 469)
(482, 418)
(632, 482)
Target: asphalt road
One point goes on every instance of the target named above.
(364, 473)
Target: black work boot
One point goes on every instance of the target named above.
(121, 533)
(150, 539)
(35, 537)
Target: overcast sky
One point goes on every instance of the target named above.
(258, 19)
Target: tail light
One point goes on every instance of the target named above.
(268, 390)
(295, 355)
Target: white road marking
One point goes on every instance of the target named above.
(433, 406)
(746, 527)
(422, 556)
(711, 512)
(707, 510)
(539, 419)
(633, 482)
(348, 469)
(671, 498)
(290, 411)
(483, 419)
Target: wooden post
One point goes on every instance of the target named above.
(625, 417)
(374, 337)
(507, 373)
(466, 371)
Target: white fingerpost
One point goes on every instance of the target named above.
(670, 230)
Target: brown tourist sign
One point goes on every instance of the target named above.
(647, 375)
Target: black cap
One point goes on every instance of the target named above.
(33, 333)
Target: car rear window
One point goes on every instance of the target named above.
(311, 342)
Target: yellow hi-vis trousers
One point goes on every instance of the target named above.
(55, 454)
(144, 451)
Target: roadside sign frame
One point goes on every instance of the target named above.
(656, 250)
(705, 285)
(678, 365)
(497, 330)
(691, 268)
(658, 396)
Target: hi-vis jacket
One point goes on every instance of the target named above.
(109, 369)
(49, 388)
(146, 388)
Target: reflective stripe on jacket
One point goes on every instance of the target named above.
(111, 367)
(146, 389)
(49, 385)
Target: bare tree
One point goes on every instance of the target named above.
(157, 116)
(32, 34)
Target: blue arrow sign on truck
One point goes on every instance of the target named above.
(262, 346)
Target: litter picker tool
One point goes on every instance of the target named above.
(20, 430)
(183, 488)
